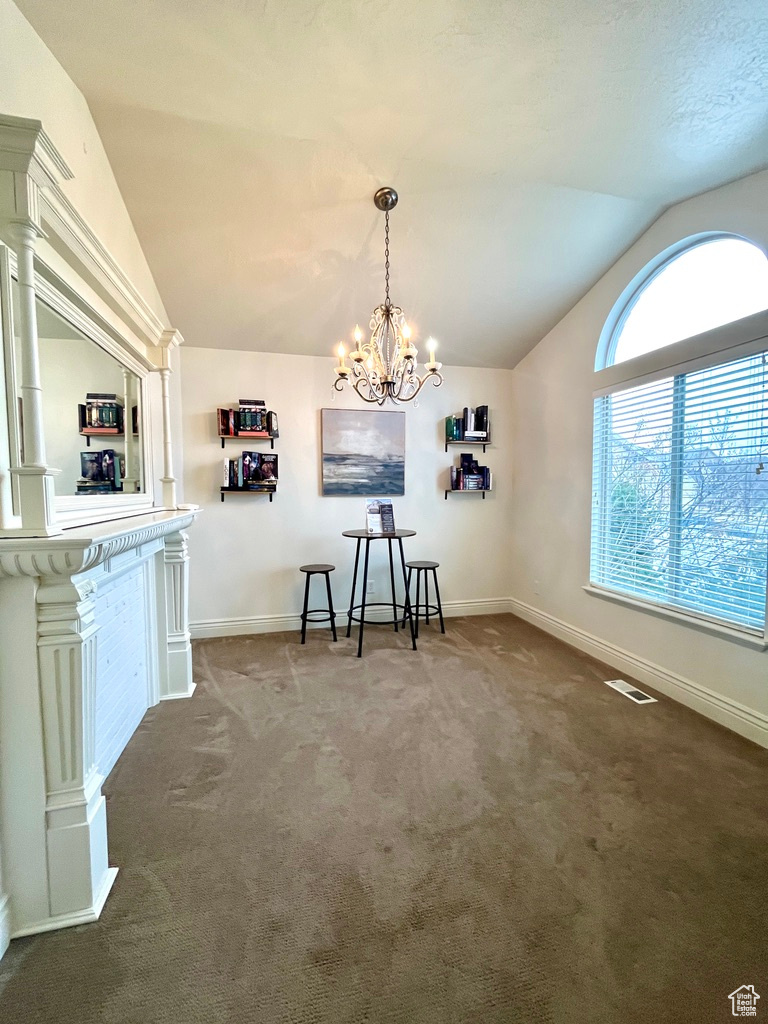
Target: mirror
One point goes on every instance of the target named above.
(91, 411)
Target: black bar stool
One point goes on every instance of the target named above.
(425, 608)
(325, 614)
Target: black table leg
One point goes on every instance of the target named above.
(407, 597)
(354, 584)
(362, 606)
(426, 595)
(330, 605)
(439, 605)
(395, 616)
(306, 606)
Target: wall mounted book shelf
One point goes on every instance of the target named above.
(483, 443)
(247, 437)
(467, 490)
(103, 434)
(252, 471)
(468, 430)
(248, 490)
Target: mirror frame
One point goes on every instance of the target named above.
(72, 510)
(10, 432)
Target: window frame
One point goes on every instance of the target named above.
(723, 344)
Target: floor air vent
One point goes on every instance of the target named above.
(630, 691)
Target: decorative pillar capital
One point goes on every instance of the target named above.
(29, 162)
(23, 231)
(170, 339)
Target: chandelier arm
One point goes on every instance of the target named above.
(371, 400)
(405, 378)
(370, 380)
(372, 374)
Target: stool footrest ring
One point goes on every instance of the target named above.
(325, 615)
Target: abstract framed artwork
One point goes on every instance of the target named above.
(363, 452)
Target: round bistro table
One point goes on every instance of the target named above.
(397, 617)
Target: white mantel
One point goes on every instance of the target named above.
(93, 618)
(93, 622)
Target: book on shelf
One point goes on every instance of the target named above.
(252, 416)
(90, 467)
(105, 468)
(453, 428)
(470, 425)
(250, 419)
(251, 471)
(379, 515)
(268, 467)
(474, 482)
(101, 415)
(469, 475)
(93, 487)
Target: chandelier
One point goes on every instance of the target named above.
(385, 367)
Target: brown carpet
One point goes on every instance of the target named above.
(478, 832)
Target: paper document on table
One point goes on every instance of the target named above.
(379, 516)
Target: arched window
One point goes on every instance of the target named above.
(680, 506)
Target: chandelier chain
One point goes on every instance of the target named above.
(386, 254)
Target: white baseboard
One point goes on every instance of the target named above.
(5, 924)
(748, 723)
(282, 623)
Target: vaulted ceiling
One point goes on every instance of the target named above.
(530, 142)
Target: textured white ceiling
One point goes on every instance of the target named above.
(530, 142)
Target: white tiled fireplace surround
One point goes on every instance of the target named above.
(93, 631)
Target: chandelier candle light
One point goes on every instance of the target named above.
(385, 367)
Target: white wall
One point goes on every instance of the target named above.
(34, 84)
(551, 501)
(246, 551)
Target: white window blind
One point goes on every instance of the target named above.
(680, 513)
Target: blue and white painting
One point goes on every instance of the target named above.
(363, 452)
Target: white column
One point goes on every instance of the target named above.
(79, 876)
(169, 481)
(5, 916)
(178, 682)
(25, 236)
(129, 482)
(35, 479)
(9, 444)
